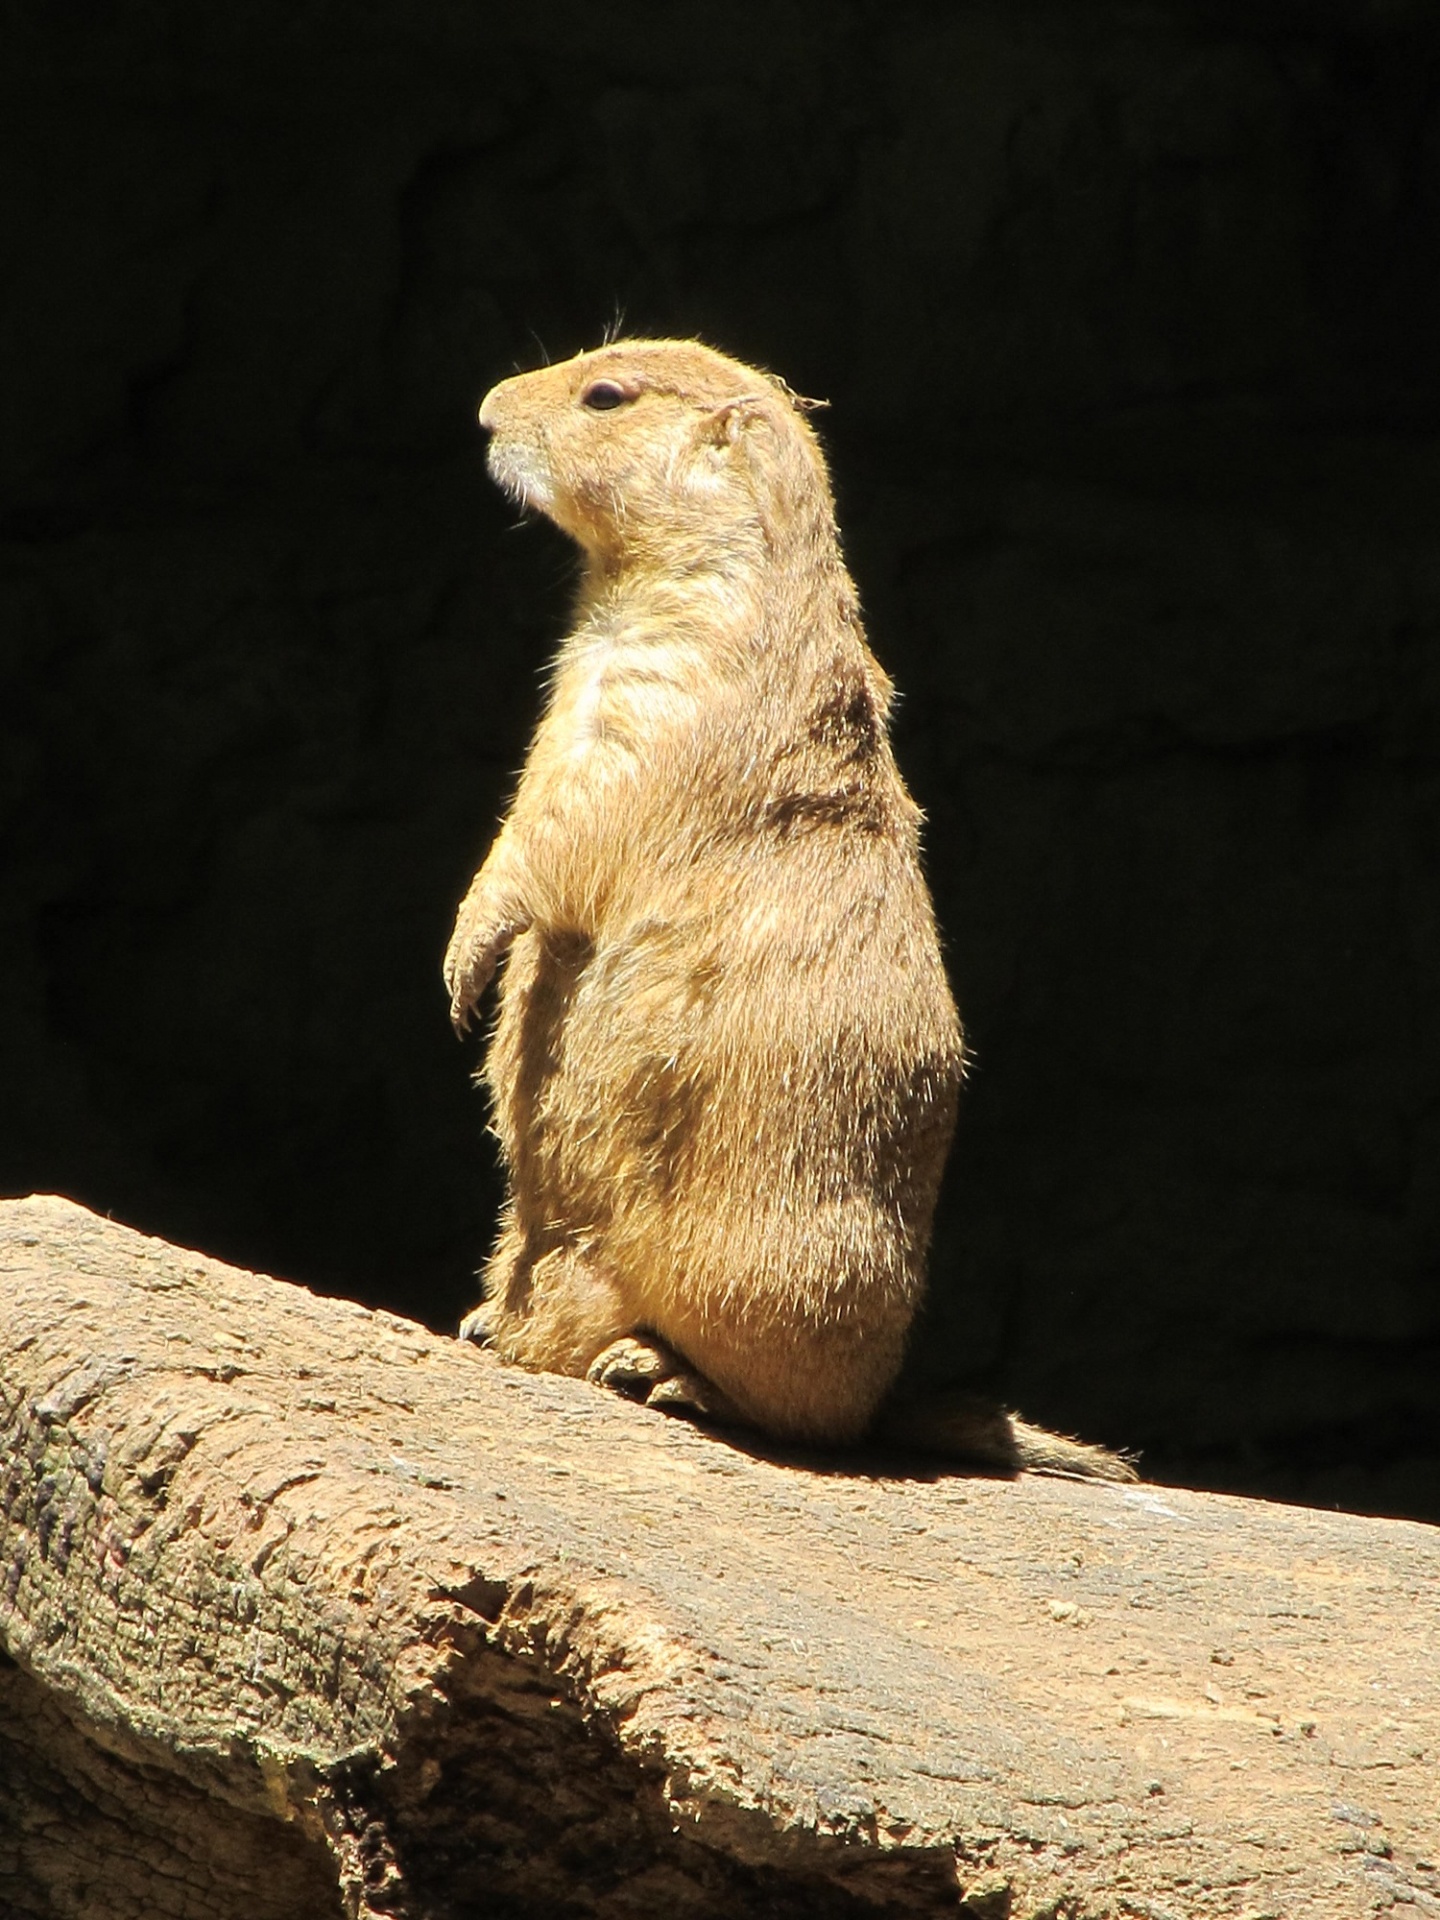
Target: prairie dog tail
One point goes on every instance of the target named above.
(965, 1427)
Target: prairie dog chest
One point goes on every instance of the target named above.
(621, 687)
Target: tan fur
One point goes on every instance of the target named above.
(725, 1069)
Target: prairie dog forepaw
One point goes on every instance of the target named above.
(649, 1371)
(470, 962)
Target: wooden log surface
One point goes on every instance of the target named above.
(311, 1612)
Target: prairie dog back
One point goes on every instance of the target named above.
(726, 1063)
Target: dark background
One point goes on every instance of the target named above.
(1130, 320)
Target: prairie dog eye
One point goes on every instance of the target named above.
(601, 395)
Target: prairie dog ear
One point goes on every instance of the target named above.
(722, 426)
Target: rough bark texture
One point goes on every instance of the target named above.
(310, 1612)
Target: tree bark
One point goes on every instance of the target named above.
(308, 1612)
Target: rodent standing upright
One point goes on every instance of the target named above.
(725, 1070)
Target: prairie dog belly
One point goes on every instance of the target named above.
(646, 1069)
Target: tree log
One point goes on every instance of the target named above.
(308, 1612)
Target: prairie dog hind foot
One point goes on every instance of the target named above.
(648, 1371)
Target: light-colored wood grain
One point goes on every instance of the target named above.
(314, 1612)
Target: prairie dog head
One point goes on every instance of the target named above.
(659, 451)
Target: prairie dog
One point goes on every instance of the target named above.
(725, 1069)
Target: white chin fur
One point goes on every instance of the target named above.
(516, 471)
